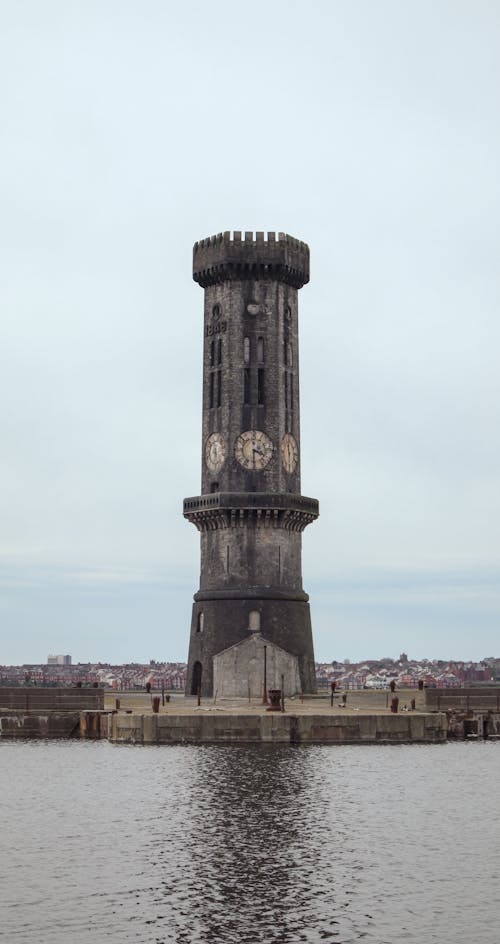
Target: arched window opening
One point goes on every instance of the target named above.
(200, 622)
(246, 385)
(246, 350)
(254, 621)
(260, 386)
(260, 350)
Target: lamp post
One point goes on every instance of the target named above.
(264, 699)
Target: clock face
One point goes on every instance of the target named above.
(255, 308)
(215, 452)
(253, 449)
(289, 453)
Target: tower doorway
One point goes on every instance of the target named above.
(196, 682)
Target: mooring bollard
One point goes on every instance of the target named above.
(413, 704)
(156, 704)
(394, 705)
(275, 699)
(117, 703)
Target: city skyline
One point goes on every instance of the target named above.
(368, 131)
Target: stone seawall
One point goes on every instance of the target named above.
(365, 719)
(277, 728)
(38, 724)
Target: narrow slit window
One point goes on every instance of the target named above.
(219, 351)
(260, 350)
(246, 385)
(286, 388)
(290, 390)
(285, 353)
(254, 621)
(219, 387)
(289, 354)
(260, 386)
(246, 350)
(212, 353)
(211, 391)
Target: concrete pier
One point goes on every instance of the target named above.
(210, 727)
(365, 718)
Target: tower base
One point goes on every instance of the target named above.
(223, 619)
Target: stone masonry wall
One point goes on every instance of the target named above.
(52, 699)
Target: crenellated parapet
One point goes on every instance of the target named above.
(234, 256)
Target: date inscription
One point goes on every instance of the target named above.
(218, 327)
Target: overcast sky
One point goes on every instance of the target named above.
(128, 131)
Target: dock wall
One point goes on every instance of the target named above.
(484, 698)
(39, 724)
(277, 728)
(35, 698)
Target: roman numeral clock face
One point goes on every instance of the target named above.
(253, 450)
(289, 453)
(215, 452)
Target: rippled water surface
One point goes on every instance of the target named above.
(103, 842)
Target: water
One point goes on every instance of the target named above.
(103, 842)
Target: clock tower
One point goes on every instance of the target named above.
(251, 513)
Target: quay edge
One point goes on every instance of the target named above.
(278, 728)
(94, 714)
(226, 727)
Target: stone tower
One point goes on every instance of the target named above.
(250, 513)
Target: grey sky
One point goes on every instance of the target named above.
(128, 131)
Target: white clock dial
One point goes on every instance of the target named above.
(253, 450)
(289, 453)
(215, 452)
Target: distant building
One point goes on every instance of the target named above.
(58, 660)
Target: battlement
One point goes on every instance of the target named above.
(237, 256)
